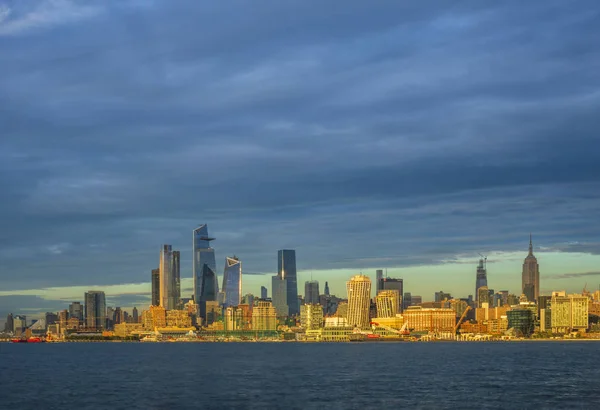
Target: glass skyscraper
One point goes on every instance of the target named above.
(95, 310)
(481, 279)
(286, 270)
(155, 287)
(204, 266)
(311, 292)
(232, 282)
(169, 278)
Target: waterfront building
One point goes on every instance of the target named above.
(359, 299)
(51, 318)
(204, 268)
(311, 292)
(428, 319)
(126, 329)
(9, 325)
(545, 319)
(483, 296)
(394, 284)
(286, 270)
(155, 281)
(336, 333)
(76, 311)
(158, 316)
(522, 320)
(232, 282)
(311, 316)
(387, 303)
(279, 292)
(263, 292)
(530, 277)
(569, 313)
(63, 317)
(378, 281)
(238, 318)
(73, 323)
(264, 316)
(95, 310)
(481, 277)
(178, 318)
(169, 278)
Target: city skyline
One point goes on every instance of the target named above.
(402, 137)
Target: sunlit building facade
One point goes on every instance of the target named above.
(286, 270)
(569, 313)
(481, 278)
(95, 310)
(232, 282)
(530, 277)
(433, 320)
(204, 267)
(311, 316)
(169, 278)
(387, 303)
(311, 292)
(264, 316)
(359, 300)
(279, 295)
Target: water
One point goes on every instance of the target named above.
(300, 376)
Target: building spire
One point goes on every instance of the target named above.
(530, 245)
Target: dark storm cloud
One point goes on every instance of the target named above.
(389, 134)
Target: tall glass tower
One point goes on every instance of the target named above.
(286, 270)
(95, 309)
(169, 285)
(204, 266)
(481, 279)
(232, 282)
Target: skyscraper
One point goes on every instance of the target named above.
(95, 309)
(76, 311)
(311, 292)
(135, 315)
(394, 284)
(232, 282)
(387, 303)
(286, 269)
(481, 278)
(10, 323)
(263, 292)
(155, 287)
(359, 301)
(326, 289)
(531, 275)
(169, 278)
(378, 280)
(279, 295)
(204, 267)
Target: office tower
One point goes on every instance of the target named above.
(521, 320)
(95, 310)
(387, 303)
(51, 318)
(569, 313)
(135, 315)
(279, 296)
(117, 316)
(76, 311)
(442, 296)
(169, 278)
(430, 319)
(407, 300)
(531, 275)
(481, 278)
(155, 280)
(286, 270)
(311, 316)
(10, 323)
(264, 316)
(63, 317)
(378, 279)
(311, 292)
(232, 282)
(394, 284)
(204, 267)
(248, 299)
(326, 289)
(416, 300)
(359, 301)
(19, 324)
(483, 296)
(504, 297)
(263, 292)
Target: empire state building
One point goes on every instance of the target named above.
(531, 275)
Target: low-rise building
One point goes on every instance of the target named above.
(433, 320)
(311, 316)
(126, 329)
(264, 316)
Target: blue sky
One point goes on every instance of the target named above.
(401, 135)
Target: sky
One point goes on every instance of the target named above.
(407, 136)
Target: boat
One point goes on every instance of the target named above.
(30, 340)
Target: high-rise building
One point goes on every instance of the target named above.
(326, 288)
(531, 275)
(394, 284)
(169, 278)
(311, 316)
(359, 301)
(522, 320)
(10, 323)
(76, 311)
(407, 300)
(568, 313)
(135, 315)
(95, 309)
(19, 324)
(204, 266)
(481, 278)
(232, 282)
(416, 300)
(311, 292)
(286, 269)
(442, 296)
(264, 316)
(248, 299)
(279, 295)
(263, 292)
(378, 281)
(155, 279)
(387, 303)
(483, 296)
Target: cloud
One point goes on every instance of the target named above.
(574, 275)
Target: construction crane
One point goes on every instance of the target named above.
(462, 317)
(484, 260)
(403, 330)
